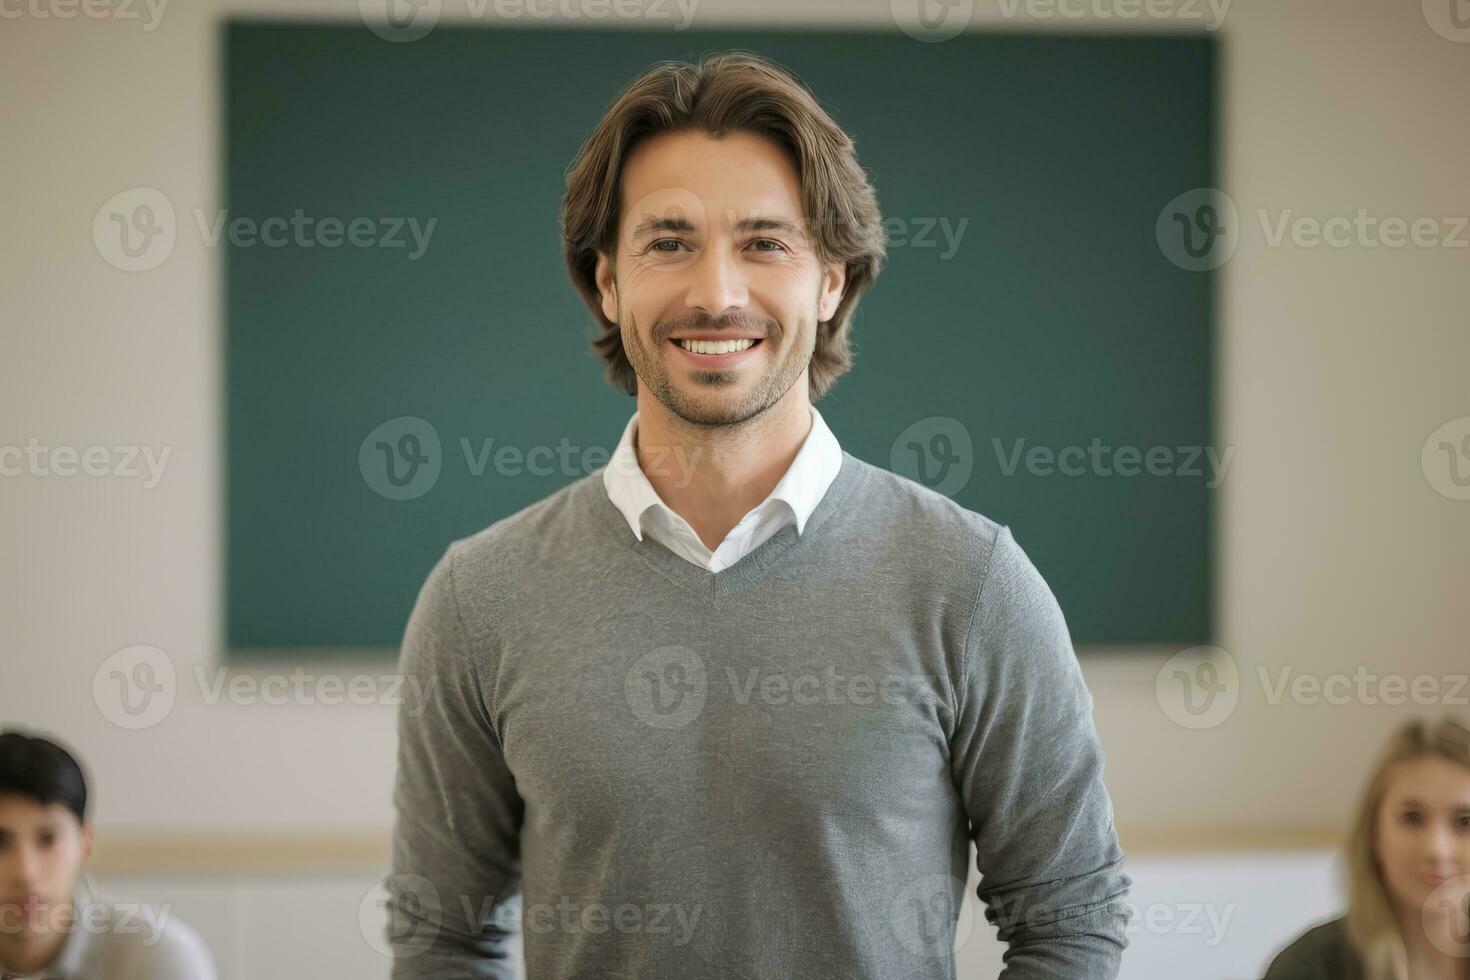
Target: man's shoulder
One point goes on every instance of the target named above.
(540, 525)
(949, 543)
(920, 513)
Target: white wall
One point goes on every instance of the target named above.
(1336, 366)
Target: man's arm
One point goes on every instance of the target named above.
(456, 841)
(1029, 767)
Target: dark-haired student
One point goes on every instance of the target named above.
(54, 922)
(1408, 866)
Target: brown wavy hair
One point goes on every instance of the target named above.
(734, 90)
(1372, 927)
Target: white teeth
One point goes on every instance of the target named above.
(716, 346)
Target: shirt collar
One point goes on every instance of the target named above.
(801, 487)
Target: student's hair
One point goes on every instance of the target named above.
(1372, 926)
(732, 91)
(40, 769)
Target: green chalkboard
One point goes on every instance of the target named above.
(1028, 305)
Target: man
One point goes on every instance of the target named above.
(738, 703)
(49, 926)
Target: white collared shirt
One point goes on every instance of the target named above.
(794, 498)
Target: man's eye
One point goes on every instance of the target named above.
(654, 246)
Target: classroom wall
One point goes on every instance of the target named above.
(1336, 550)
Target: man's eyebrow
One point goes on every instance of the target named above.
(769, 224)
(656, 223)
(681, 224)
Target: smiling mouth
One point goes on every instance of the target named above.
(717, 347)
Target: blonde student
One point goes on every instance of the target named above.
(1408, 863)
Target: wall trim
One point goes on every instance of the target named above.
(327, 852)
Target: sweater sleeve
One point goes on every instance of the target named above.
(456, 848)
(1029, 767)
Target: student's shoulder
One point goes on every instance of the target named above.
(1322, 952)
(149, 942)
(180, 954)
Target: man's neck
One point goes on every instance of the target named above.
(712, 476)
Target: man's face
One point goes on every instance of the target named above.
(698, 255)
(42, 847)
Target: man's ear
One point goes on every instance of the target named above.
(834, 282)
(607, 287)
(86, 839)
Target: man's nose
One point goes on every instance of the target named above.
(718, 285)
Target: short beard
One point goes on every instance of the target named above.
(711, 411)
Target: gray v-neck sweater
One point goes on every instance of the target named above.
(773, 771)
